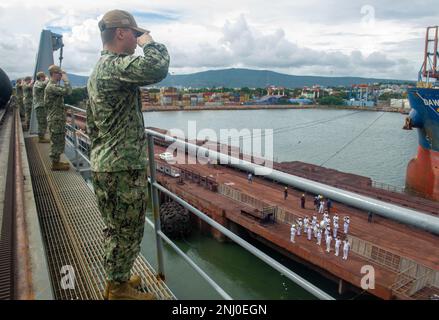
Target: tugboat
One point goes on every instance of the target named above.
(422, 175)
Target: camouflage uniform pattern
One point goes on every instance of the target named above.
(19, 94)
(39, 107)
(122, 199)
(118, 149)
(13, 101)
(56, 116)
(27, 102)
(114, 116)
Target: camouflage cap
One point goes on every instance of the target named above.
(40, 74)
(28, 78)
(120, 19)
(54, 69)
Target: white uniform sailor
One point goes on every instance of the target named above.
(335, 230)
(315, 229)
(328, 243)
(309, 231)
(322, 225)
(314, 221)
(299, 226)
(335, 218)
(305, 222)
(327, 231)
(346, 225)
(337, 246)
(321, 207)
(346, 247)
(293, 231)
(319, 236)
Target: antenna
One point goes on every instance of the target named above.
(429, 66)
(60, 55)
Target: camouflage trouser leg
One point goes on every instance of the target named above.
(42, 121)
(21, 108)
(122, 199)
(28, 110)
(57, 136)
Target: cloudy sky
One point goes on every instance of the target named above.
(374, 38)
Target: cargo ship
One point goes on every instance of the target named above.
(422, 175)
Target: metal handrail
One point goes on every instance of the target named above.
(250, 248)
(191, 263)
(155, 206)
(388, 187)
(75, 108)
(417, 280)
(400, 281)
(81, 154)
(160, 235)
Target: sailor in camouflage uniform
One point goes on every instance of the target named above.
(19, 94)
(38, 104)
(118, 143)
(13, 100)
(56, 116)
(27, 100)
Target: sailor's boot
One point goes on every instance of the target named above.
(60, 166)
(65, 164)
(134, 282)
(43, 140)
(124, 291)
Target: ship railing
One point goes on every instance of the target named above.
(72, 136)
(410, 275)
(407, 285)
(421, 282)
(396, 189)
(403, 278)
(388, 187)
(280, 213)
(376, 254)
(240, 196)
(155, 187)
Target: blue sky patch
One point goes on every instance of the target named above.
(155, 17)
(58, 29)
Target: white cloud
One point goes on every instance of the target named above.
(240, 44)
(301, 37)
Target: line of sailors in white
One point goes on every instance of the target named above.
(314, 227)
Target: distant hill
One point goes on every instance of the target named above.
(238, 78)
(77, 81)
